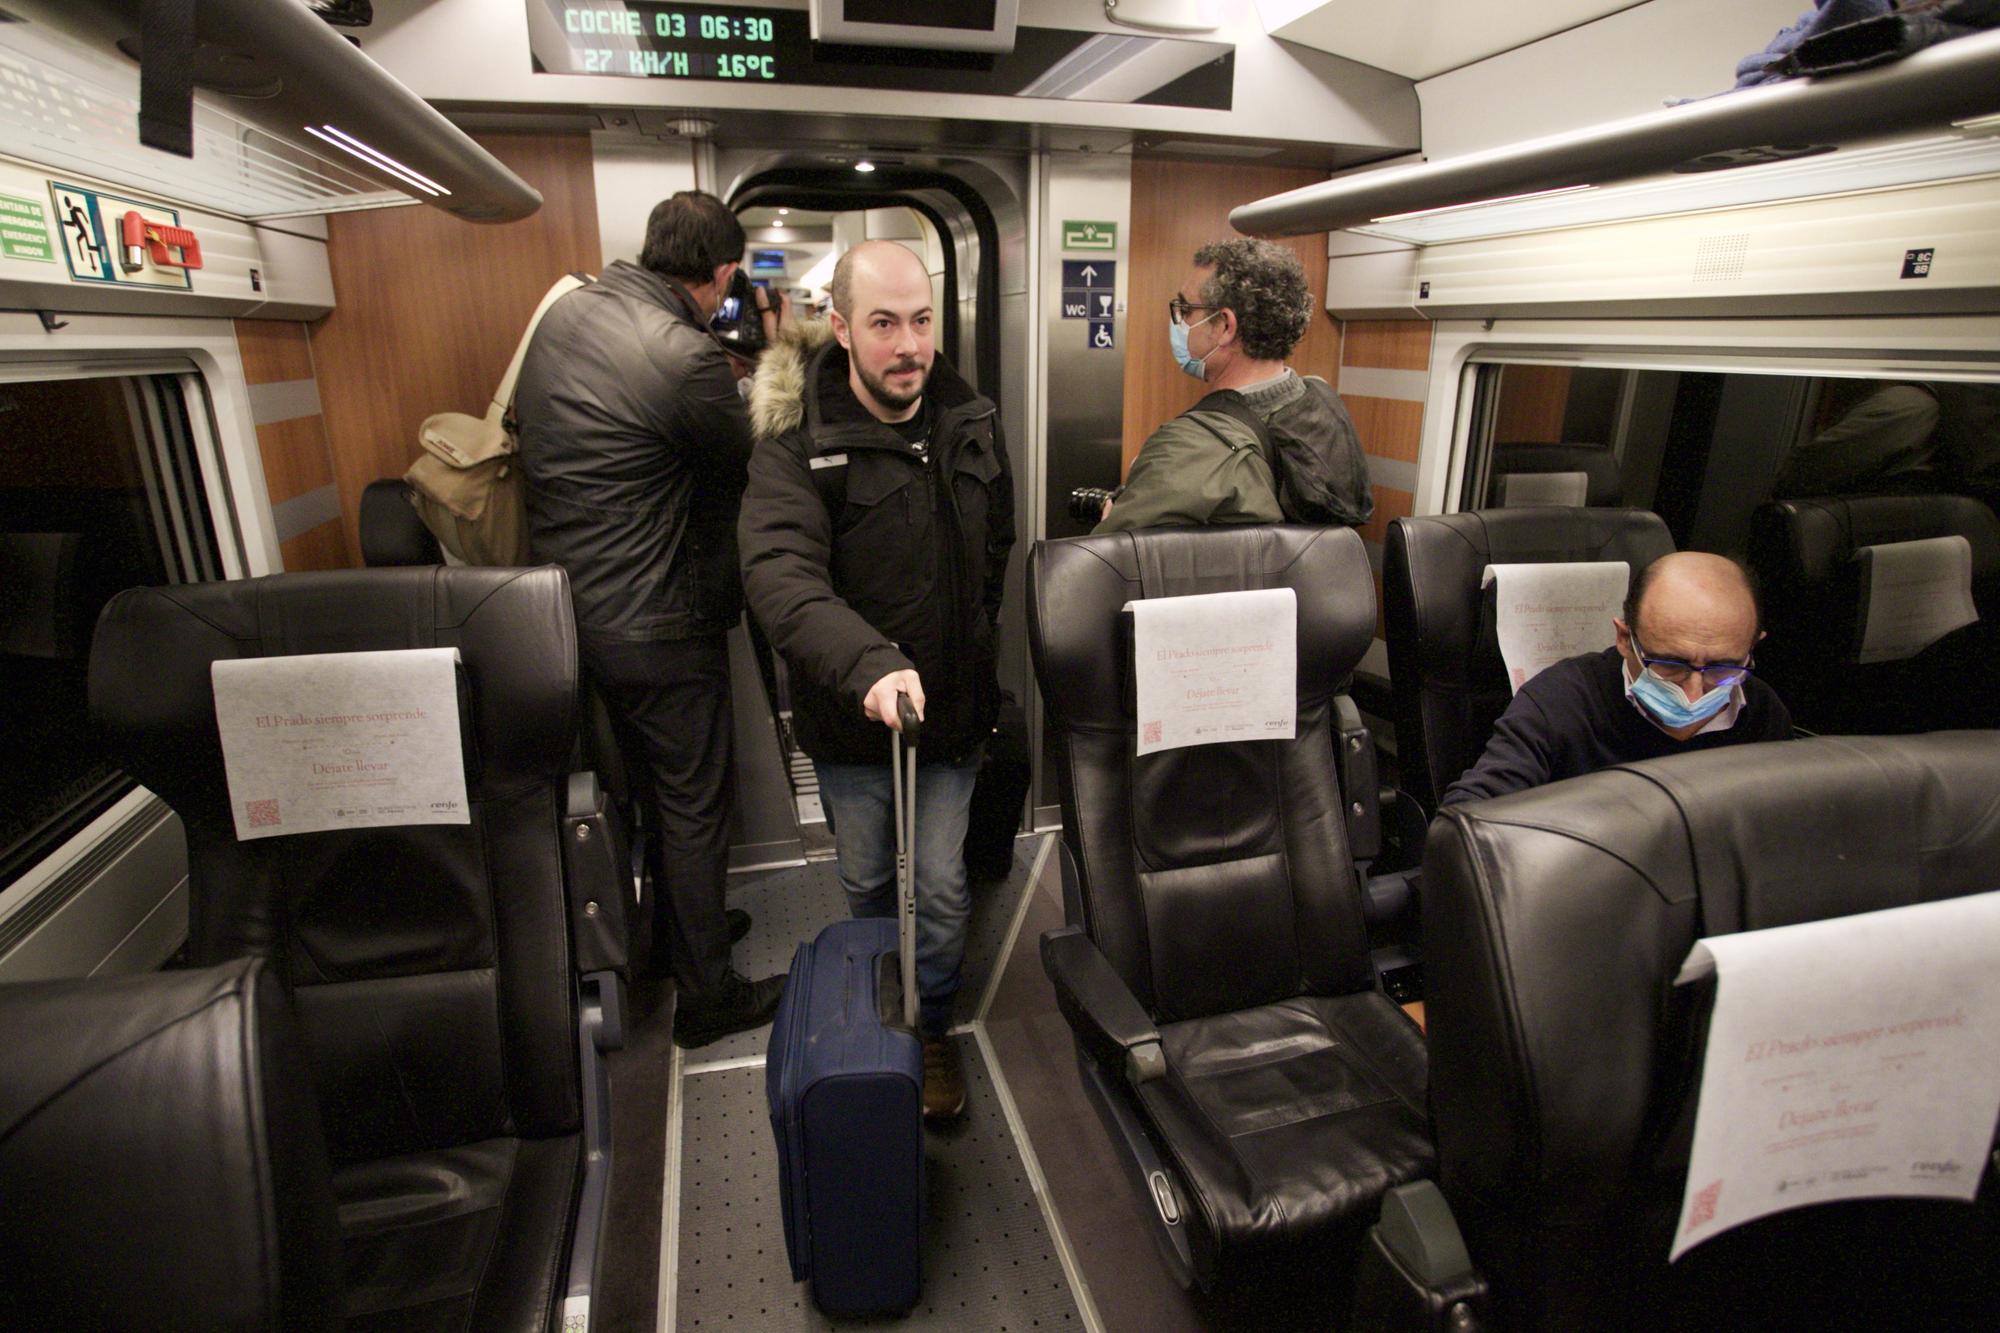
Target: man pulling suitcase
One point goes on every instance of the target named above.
(875, 535)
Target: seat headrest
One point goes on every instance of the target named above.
(392, 532)
(161, 1156)
(1447, 554)
(1808, 543)
(152, 697)
(1603, 484)
(1080, 586)
(1556, 919)
(1772, 834)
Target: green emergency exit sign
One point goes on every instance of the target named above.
(24, 230)
(1090, 235)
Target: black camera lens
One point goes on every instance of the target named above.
(737, 321)
(1086, 503)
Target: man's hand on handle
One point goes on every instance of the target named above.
(880, 705)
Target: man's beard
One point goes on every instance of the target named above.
(878, 386)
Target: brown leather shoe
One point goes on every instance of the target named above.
(944, 1079)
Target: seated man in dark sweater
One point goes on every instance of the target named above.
(1678, 679)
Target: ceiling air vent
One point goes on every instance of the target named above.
(1720, 258)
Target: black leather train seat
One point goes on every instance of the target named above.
(161, 1164)
(452, 996)
(1805, 555)
(392, 532)
(1449, 682)
(1604, 485)
(1215, 968)
(1565, 1063)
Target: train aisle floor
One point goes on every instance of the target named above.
(994, 1256)
(1033, 1222)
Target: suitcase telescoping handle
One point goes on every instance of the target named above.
(906, 843)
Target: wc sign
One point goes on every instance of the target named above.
(1089, 293)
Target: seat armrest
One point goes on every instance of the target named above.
(1415, 1275)
(1354, 763)
(1371, 691)
(1108, 1019)
(1391, 898)
(597, 878)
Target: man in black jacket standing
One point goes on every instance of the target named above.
(634, 440)
(875, 535)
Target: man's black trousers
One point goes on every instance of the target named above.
(669, 702)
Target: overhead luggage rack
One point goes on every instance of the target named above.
(289, 118)
(1927, 117)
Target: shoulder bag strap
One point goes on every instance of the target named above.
(1230, 403)
(503, 397)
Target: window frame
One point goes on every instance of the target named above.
(111, 896)
(1942, 347)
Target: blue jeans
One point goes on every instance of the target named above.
(860, 801)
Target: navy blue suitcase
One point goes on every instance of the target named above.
(845, 1082)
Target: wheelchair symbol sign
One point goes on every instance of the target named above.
(1101, 336)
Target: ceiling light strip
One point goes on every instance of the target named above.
(381, 161)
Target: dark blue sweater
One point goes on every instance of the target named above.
(1574, 719)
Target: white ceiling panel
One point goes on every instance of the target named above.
(1421, 38)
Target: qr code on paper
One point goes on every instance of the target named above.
(262, 814)
(1703, 1211)
(1149, 734)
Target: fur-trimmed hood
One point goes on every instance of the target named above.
(778, 393)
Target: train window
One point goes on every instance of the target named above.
(101, 488)
(1706, 449)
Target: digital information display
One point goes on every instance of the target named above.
(669, 41)
(656, 39)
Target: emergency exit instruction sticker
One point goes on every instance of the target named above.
(24, 230)
(90, 224)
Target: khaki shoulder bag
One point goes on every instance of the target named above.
(467, 483)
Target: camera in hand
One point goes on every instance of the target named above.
(1086, 503)
(737, 321)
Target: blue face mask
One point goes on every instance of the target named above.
(1669, 706)
(1177, 334)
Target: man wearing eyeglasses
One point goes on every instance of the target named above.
(1267, 445)
(1680, 677)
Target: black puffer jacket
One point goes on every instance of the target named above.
(635, 444)
(861, 557)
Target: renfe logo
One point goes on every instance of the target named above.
(1936, 1170)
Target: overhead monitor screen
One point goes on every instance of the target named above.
(767, 261)
(641, 39)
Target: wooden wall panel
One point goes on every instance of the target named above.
(429, 308)
(1388, 427)
(1391, 429)
(295, 460)
(1388, 344)
(1532, 400)
(273, 350)
(322, 547)
(293, 448)
(1177, 207)
(1391, 503)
